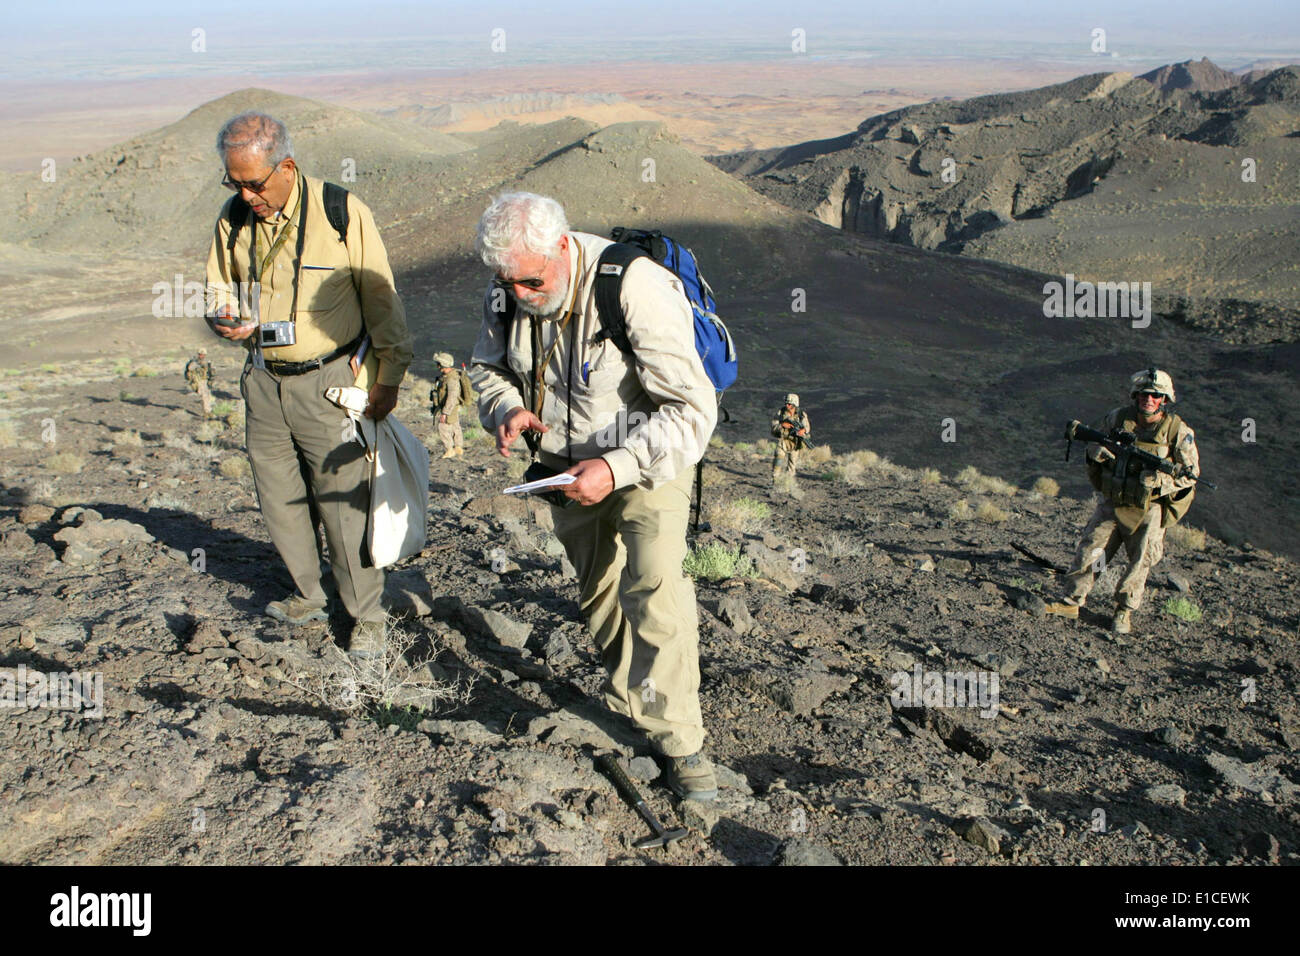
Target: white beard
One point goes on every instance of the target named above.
(549, 305)
(546, 306)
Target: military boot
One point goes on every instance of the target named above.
(1123, 621)
(449, 453)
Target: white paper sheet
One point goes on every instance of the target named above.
(541, 484)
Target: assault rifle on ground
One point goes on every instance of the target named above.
(1121, 444)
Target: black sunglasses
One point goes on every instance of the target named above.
(235, 186)
(534, 283)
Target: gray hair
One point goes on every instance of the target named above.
(256, 131)
(519, 222)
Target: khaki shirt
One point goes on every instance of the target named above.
(1181, 448)
(338, 284)
(447, 393)
(788, 436)
(649, 414)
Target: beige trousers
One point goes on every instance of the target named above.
(1102, 537)
(640, 607)
(302, 453)
(785, 458)
(205, 396)
(450, 433)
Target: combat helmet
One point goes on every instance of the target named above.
(792, 399)
(1152, 380)
(444, 359)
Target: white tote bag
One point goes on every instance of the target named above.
(399, 483)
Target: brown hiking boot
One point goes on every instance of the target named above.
(1123, 621)
(295, 610)
(449, 453)
(369, 641)
(692, 778)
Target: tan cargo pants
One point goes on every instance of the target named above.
(1102, 537)
(640, 607)
(205, 397)
(450, 432)
(785, 459)
(288, 420)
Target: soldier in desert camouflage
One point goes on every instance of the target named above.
(198, 372)
(446, 405)
(791, 429)
(1137, 509)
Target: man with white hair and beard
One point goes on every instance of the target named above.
(629, 426)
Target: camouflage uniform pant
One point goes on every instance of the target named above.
(205, 396)
(1102, 537)
(450, 433)
(786, 458)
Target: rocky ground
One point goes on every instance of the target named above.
(131, 547)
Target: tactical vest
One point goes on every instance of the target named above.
(1121, 480)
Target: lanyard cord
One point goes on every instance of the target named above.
(256, 273)
(538, 384)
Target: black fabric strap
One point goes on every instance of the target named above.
(609, 283)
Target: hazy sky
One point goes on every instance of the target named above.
(92, 32)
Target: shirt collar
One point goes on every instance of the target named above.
(275, 221)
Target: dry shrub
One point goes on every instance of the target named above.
(930, 476)
(128, 437)
(64, 463)
(838, 545)
(209, 430)
(712, 477)
(763, 446)
(236, 466)
(1185, 537)
(856, 467)
(743, 514)
(8, 435)
(822, 453)
(847, 471)
(984, 484)
(961, 510)
(1047, 487)
(391, 687)
(990, 513)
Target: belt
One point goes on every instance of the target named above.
(300, 368)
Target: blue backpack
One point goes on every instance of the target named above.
(713, 342)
